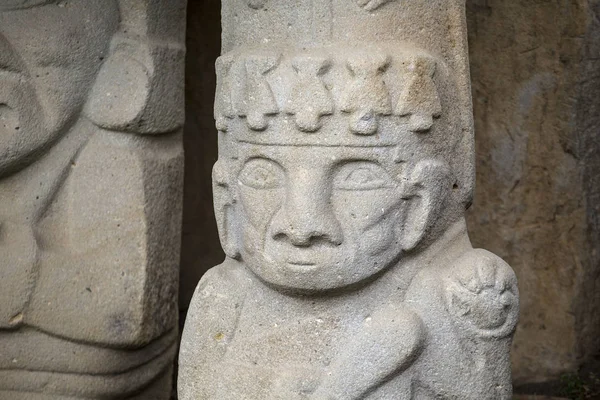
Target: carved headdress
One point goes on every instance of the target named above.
(343, 72)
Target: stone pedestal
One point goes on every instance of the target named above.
(91, 167)
(345, 168)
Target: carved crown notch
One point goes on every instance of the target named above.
(367, 96)
(419, 100)
(224, 110)
(257, 100)
(310, 99)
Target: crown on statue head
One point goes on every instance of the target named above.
(316, 87)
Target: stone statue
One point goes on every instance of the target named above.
(90, 192)
(345, 168)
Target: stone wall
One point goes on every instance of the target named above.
(536, 113)
(535, 85)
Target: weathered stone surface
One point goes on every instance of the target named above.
(345, 168)
(90, 191)
(535, 88)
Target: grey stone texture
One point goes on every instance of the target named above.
(91, 176)
(346, 164)
(534, 67)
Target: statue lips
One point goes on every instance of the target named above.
(309, 258)
(300, 263)
(306, 259)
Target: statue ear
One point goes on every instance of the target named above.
(224, 203)
(427, 188)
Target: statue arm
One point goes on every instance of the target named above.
(470, 307)
(387, 343)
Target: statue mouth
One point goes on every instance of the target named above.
(303, 265)
(304, 258)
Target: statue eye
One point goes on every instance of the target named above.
(10, 5)
(262, 174)
(362, 175)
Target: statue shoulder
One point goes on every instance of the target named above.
(227, 279)
(222, 289)
(210, 326)
(214, 309)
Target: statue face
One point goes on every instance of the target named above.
(49, 56)
(319, 218)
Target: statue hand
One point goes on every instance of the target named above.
(482, 294)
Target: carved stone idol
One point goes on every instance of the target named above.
(90, 192)
(345, 168)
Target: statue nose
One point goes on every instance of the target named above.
(303, 230)
(307, 218)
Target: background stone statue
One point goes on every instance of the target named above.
(345, 168)
(90, 192)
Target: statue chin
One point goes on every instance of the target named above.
(305, 277)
